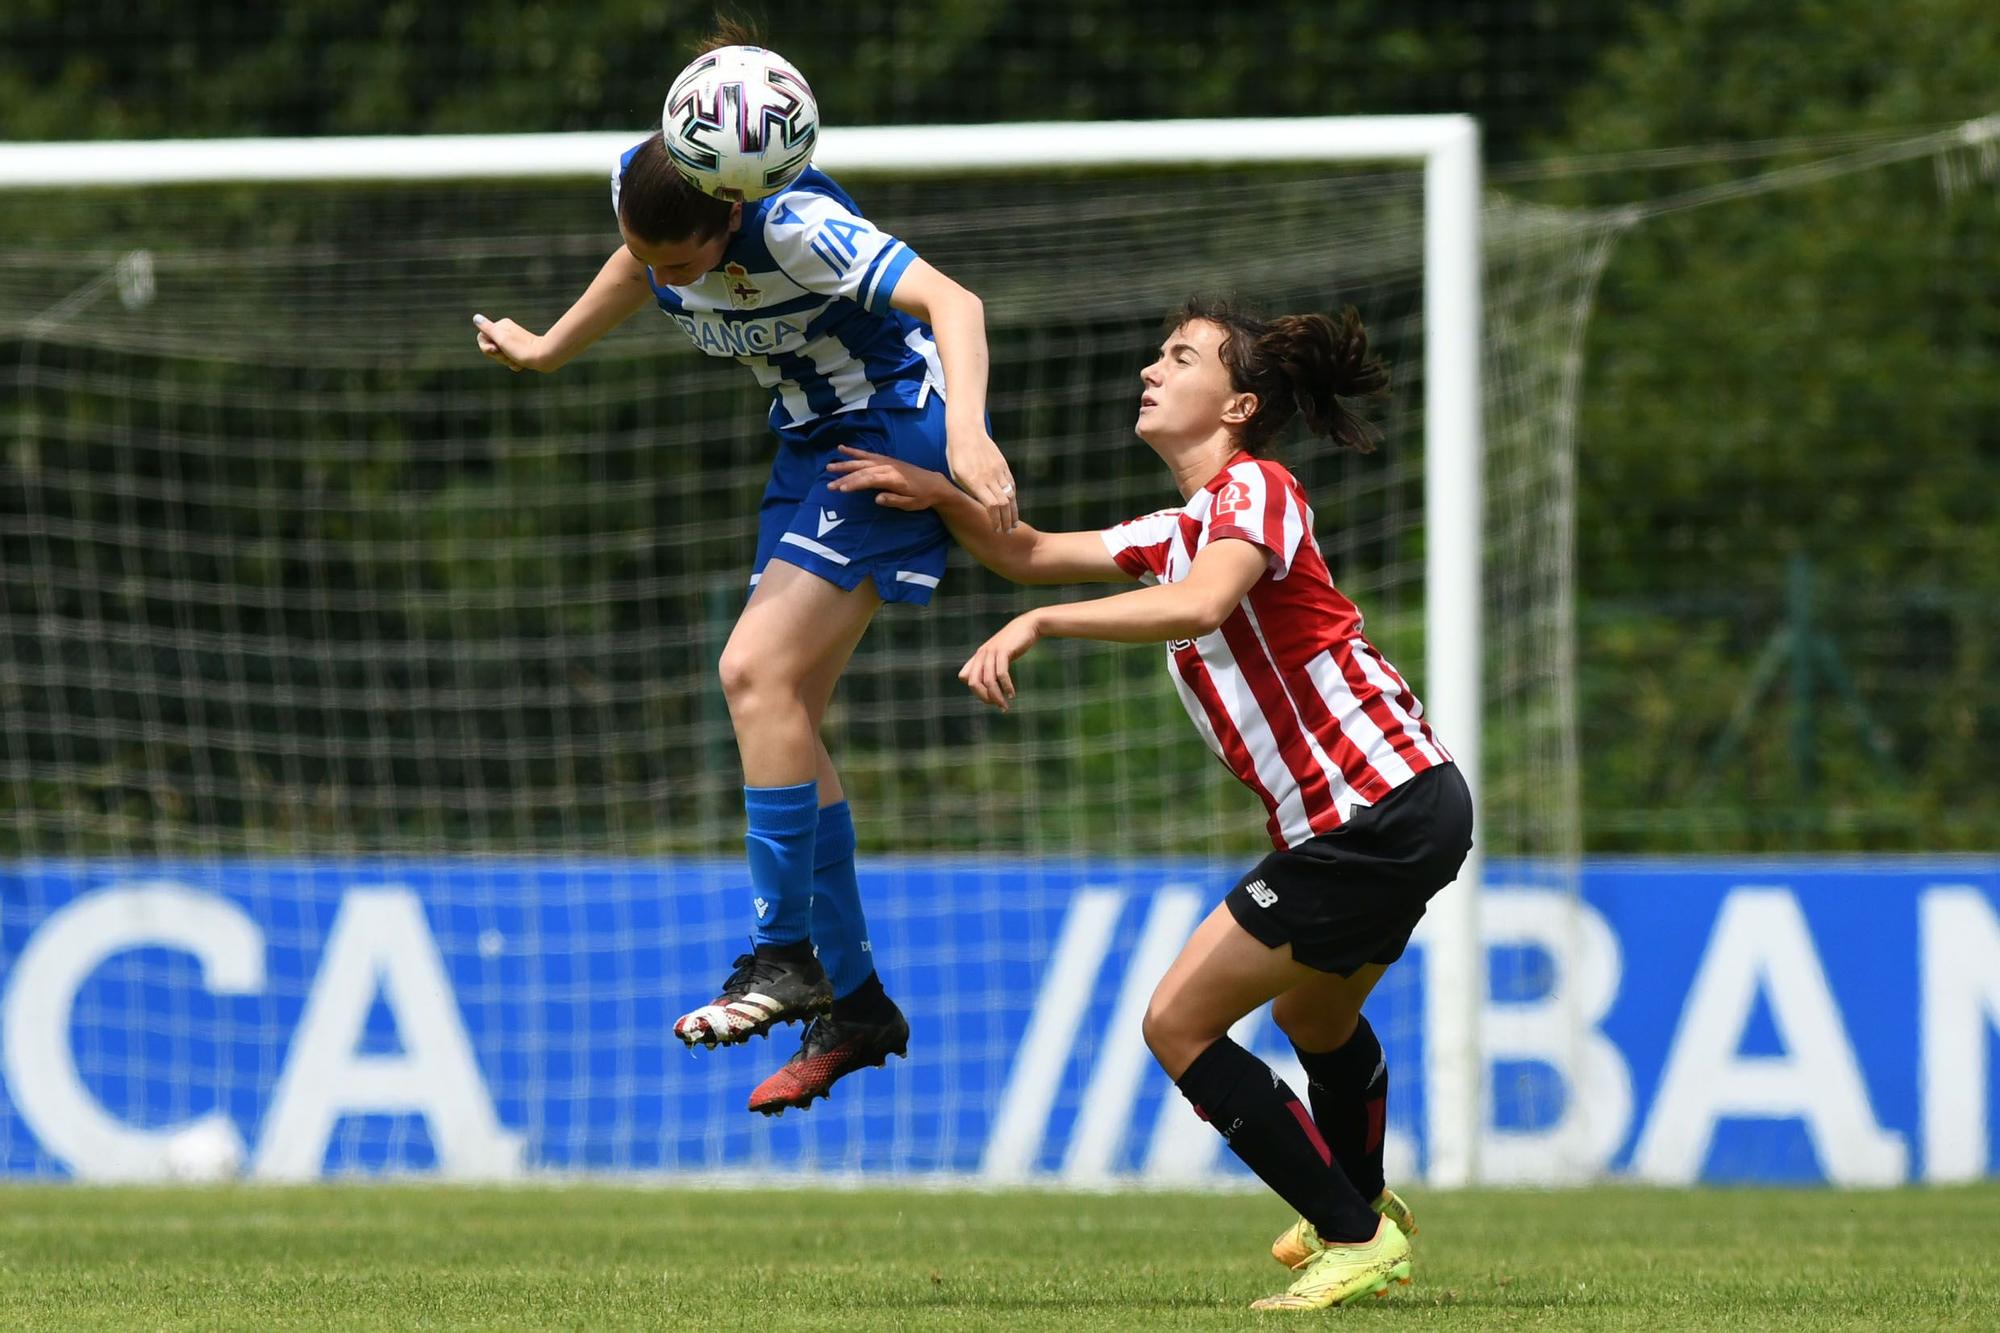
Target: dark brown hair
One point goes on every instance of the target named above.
(730, 30)
(656, 203)
(1295, 363)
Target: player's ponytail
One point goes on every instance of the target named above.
(730, 30)
(1306, 364)
(1324, 362)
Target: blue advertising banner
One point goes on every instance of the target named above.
(1667, 1021)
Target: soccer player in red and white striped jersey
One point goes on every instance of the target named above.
(1368, 816)
(1287, 691)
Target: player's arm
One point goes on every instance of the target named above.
(1221, 576)
(1021, 554)
(958, 320)
(614, 295)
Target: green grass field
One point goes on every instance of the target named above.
(412, 1256)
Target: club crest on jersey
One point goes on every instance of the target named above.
(1232, 499)
(743, 293)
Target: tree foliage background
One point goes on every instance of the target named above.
(1789, 434)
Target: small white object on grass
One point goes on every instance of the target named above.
(205, 1153)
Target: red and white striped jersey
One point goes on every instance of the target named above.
(1288, 692)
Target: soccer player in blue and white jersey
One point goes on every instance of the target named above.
(861, 343)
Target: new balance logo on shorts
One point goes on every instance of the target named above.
(1259, 893)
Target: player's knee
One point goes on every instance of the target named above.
(1310, 1025)
(1174, 1035)
(1157, 1027)
(747, 675)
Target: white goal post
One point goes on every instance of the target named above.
(1447, 146)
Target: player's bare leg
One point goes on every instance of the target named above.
(790, 645)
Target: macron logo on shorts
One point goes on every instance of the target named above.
(1260, 893)
(828, 521)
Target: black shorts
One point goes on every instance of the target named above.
(1351, 897)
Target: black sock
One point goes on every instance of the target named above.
(1264, 1123)
(1349, 1088)
(866, 1003)
(796, 951)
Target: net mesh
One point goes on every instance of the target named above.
(299, 594)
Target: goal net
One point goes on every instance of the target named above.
(373, 802)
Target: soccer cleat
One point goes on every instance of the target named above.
(1338, 1274)
(1390, 1204)
(761, 992)
(831, 1049)
(1300, 1242)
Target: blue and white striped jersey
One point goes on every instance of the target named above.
(802, 298)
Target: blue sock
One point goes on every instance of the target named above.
(838, 926)
(780, 843)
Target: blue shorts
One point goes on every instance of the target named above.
(845, 537)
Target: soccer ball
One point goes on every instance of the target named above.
(740, 123)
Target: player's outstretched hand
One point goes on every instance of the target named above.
(508, 343)
(986, 673)
(978, 467)
(899, 485)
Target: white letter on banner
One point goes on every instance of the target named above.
(1959, 942)
(380, 941)
(1558, 1029)
(1122, 1057)
(1761, 944)
(41, 996)
(1016, 1137)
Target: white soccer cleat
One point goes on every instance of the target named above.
(760, 993)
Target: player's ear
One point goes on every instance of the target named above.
(736, 217)
(1239, 409)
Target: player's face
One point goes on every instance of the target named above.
(1186, 390)
(680, 263)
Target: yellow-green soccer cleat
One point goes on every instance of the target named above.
(1300, 1242)
(1342, 1273)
